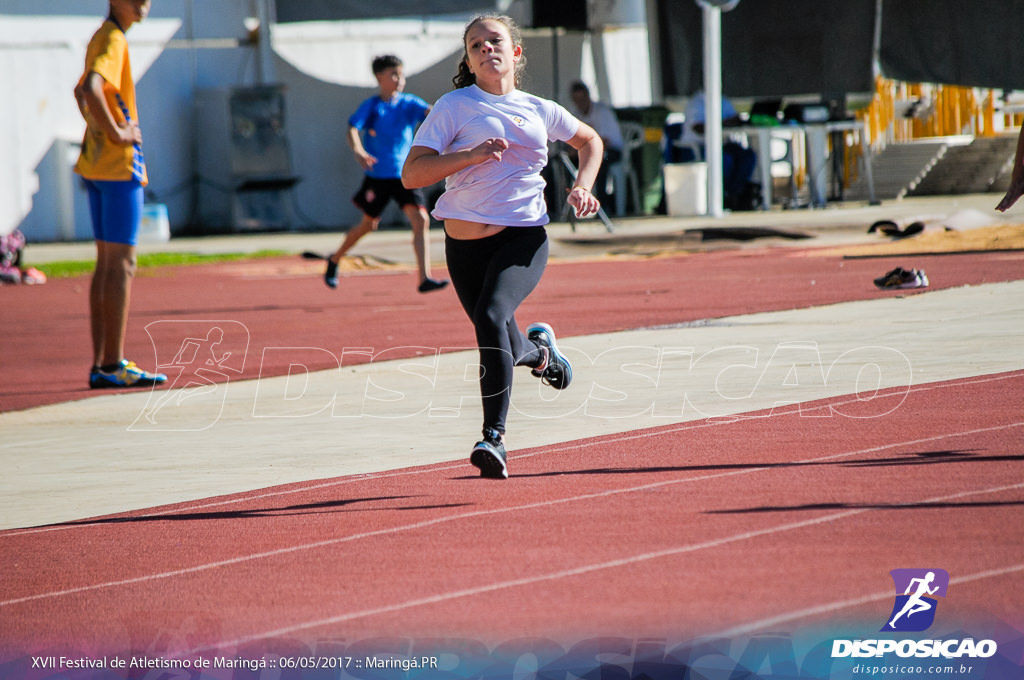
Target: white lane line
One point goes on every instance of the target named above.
(539, 451)
(567, 573)
(832, 607)
(792, 409)
(482, 513)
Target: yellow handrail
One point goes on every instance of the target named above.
(943, 110)
(940, 111)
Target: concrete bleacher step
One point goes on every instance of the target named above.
(898, 168)
(982, 166)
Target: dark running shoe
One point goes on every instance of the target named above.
(557, 371)
(901, 278)
(428, 285)
(489, 456)
(331, 275)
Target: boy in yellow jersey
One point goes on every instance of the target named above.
(112, 165)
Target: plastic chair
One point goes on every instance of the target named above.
(617, 179)
(633, 138)
(567, 211)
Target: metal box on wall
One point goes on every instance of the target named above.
(243, 158)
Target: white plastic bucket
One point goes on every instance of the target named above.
(686, 189)
(155, 227)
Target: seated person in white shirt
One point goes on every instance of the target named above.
(599, 116)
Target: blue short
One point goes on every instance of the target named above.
(116, 209)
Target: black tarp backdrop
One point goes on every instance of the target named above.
(771, 48)
(333, 10)
(774, 48)
(973, 43)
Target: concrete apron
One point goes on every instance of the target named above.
(132, 451)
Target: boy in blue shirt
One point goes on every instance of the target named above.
(380, 133)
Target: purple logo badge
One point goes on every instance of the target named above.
(914, 609)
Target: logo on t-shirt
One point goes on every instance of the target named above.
(519, 121)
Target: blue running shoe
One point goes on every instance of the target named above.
(557, 372)
(489, 456)
(126, 375)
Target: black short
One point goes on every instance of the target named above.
(374, 194)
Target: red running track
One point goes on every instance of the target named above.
(769, 524)
(723, 526)
(282, 302)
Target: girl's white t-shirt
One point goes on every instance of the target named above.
(509, 192)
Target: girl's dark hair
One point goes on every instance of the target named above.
(464, 78)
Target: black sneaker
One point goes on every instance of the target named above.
(428, 285)
(489, 456)
(557, 371)
(901, 278)
(331, 275)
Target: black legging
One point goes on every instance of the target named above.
(492, 276)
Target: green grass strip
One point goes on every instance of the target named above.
(68, 268)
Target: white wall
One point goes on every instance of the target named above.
(40, 62)
(42, 52)
(189, 45)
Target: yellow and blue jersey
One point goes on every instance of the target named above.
(101, 159)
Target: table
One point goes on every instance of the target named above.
(815, 137)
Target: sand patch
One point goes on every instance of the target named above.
(940, 242)
(298, 266)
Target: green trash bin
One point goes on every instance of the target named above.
(645, 152)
